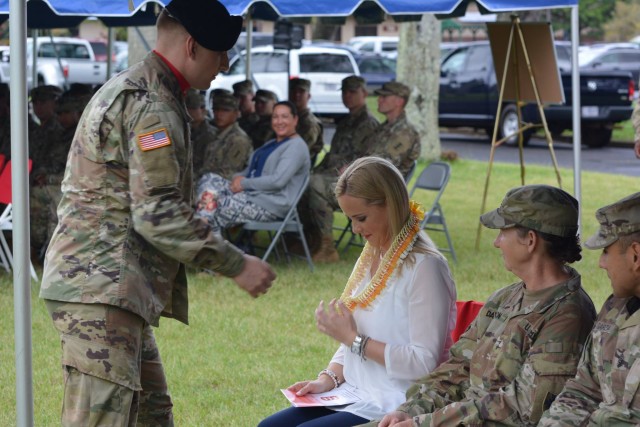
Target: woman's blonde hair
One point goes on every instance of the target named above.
(379, 182)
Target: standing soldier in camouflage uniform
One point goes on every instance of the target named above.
(309, 126)
(127, 230)
(351, 140)
(43, 136)
(525, 343)
(244, 92)
(45, 191)
(229, 152)
(262, 132)
(396, 139)
(5, 122)
(606, 389)
(202, 132)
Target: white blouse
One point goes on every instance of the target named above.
(414, 315)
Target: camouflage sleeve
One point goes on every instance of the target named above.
(159, 211)
(402, 150)
(363, 137)
(444, 385)
(311, 132)
(579, 398)
(548, 364)
(238, 155)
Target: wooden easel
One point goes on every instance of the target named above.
(512, 55)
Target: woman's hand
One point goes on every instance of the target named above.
(236, 184)
(320, 385)
(336, 321)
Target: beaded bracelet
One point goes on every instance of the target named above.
(332, 375)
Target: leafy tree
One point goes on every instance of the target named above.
(625, 23)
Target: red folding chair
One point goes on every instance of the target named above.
(467, 312)
(6, 218)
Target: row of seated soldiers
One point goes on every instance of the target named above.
(225, 148)
(52, 124)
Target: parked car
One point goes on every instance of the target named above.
(611, 59)
(100, 50)
(469, 98)
(257, 39)
(382, 45)
(324, 67)
(65, 60)
(376, 70)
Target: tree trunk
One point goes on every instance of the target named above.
(419, 67)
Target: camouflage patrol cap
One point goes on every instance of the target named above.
(194, 99)
(298, 83)
(208, 22)
(225, 101)
(542, 208)
(353, 83)
(244, 87)
(265, 95)
(46, 92)
(394, 88)
(617, 219)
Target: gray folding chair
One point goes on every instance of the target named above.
(435, 178)
(290, 223)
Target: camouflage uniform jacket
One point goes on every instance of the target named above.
(248, 121)
(54, 165)
(5, 137)
(510, 363)
(397, 142)
(310, 129)
(43, 139)
(228, 153)
(352, 140)
(261, 132)
(202, 136)
(126, 226)
(606, 389)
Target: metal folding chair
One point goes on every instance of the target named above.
(435, 178)
(290, 223)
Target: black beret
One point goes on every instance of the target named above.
(208, 22)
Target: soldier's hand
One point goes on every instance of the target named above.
(256, 276)
(636, 148)
(396, 418)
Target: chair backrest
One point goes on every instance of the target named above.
(407, 178)
(434, 177)
(5, 182)
(467, 312)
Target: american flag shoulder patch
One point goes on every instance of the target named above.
(152, 140)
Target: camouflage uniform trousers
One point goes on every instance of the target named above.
(223, 208)
(113, 374)
(322, 201)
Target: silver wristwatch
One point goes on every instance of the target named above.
(356, 346)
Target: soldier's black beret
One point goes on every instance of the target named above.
(208, 22)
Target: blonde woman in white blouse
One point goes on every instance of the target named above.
(394, 319)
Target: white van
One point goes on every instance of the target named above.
(381, 45)
(324, 67)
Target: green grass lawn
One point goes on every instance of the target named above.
(227, 367)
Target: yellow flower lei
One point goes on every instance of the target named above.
(400, 248)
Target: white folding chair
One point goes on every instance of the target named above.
(6, 219)
(290, 223)
(435, 178)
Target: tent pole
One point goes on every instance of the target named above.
(109, 53)
(575, 101)
(248, 45)
(20, 204)
(34, 58)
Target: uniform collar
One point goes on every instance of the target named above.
(184, 84)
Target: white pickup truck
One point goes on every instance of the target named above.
(75, 62)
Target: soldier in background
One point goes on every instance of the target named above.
(244, 92)
(44, 134)
(525, 342)
(351, 140)
(45, 192)
(262, 132)
(5, 121)
(202, 132)
(396, 139)
(606, 388)
(229, 151)
(309, 126)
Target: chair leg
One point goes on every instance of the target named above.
(307, 253)
(446, 233)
